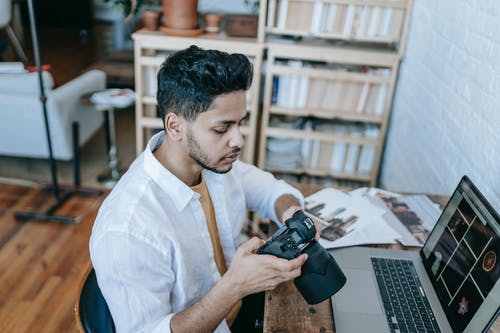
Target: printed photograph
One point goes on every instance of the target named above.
(406, 216)
(338, 228)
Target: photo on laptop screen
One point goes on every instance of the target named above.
(462, 257)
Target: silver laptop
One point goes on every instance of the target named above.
(450, 285)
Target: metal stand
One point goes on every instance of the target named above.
(60, 194)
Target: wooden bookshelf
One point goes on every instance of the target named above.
(367, 21)
(152, 48)
(332, 104)
(328, 89)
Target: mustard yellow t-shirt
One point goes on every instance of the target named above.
(220, 261)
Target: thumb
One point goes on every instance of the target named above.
(252, 244)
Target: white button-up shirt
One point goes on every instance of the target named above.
(150, 245)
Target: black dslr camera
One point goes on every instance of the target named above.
(321, 276)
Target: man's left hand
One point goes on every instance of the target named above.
(292, 209)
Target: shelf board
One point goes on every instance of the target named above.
(330, 74)
(321, 136)
(159, 41)
(326, 114)
(322, 51)
(149, 100)
(322, 173)
(151, 60)
(151, 122)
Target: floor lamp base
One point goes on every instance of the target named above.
(48, 215)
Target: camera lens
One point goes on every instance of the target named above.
(321, 276)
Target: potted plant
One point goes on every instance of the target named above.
(180, 17)
(149, 11)
(212, 22)
(150, 14)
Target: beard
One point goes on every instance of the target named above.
(200, 157)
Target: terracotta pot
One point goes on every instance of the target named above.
(180, 14)
(150, 19)
(212, 23)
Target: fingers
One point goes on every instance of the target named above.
(289, 212)
(252, 245)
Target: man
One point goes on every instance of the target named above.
(164, 242)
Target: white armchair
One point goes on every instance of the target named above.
(22, 129)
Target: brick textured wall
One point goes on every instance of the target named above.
(445, 120)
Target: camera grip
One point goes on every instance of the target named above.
(276, 249)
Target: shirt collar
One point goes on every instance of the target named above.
(180, 193)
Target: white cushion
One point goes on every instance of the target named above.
(24, 83)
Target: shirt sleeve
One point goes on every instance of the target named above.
(262, 190)
(137, 294)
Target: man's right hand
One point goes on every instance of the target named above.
(251, 273)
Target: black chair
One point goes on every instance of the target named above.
(91, 311)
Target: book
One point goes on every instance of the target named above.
(386, 22)
(348, 20)
(324, 155)
(274, 91)
(329, 18)
(352, 157)
(303, 91)
(317, 18)
(382, 93)
(350, 96)
(282, 14)
(299, 15)
(374, 22)
(363, 19)
(314, 154)
(339, 150)
(306, 148)
(363, 98)
(295, 84)
(271, 13)
(367, 156)
(316, 93)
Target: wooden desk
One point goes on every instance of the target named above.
(286, 311)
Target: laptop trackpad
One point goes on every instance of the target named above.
(359, 294)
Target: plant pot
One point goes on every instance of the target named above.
(180, 14)
(150, 19)
(242, 25)
(212, 23)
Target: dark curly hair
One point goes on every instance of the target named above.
(189, 80)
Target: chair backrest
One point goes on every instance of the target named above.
(91, 311)
(5, 12)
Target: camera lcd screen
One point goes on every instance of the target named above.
(296, 237)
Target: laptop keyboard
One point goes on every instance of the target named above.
(406, 307)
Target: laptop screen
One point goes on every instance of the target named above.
(462, 259)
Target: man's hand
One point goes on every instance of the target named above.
(251, 273)
(293, 209)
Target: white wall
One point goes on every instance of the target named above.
(445, 120)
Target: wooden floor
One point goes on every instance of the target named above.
(41, 263)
